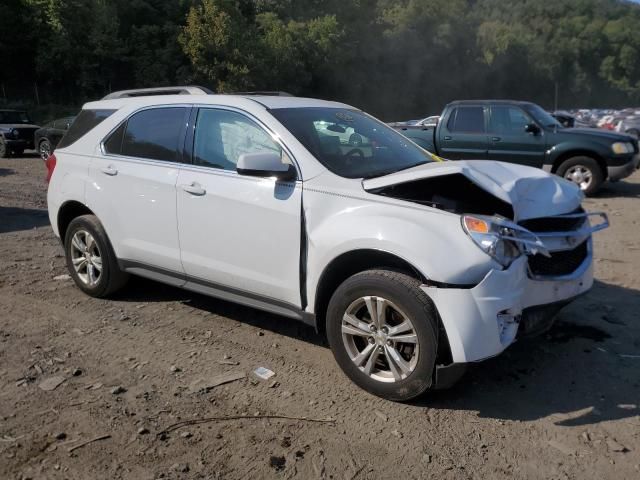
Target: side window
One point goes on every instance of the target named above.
(467, 120)
(154, 134)
(86, 121)
(221, 136)
(506, 119)
(113, 144)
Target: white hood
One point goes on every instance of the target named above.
(531, 192)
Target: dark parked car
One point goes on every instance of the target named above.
(524, 133)
(568, 120)
(16, 132)
(47, 137)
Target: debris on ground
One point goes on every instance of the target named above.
(117, 390)
(204, 385)
(263, 373)
(51, 383)
(65, 276)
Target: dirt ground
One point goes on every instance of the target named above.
(563, 406)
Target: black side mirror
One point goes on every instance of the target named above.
(532, 128)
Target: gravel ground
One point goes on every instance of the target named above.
(563, 406)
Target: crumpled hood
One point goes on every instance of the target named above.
(531, 192)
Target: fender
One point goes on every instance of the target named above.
(412, 234)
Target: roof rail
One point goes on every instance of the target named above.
(266, 93)
(144, 92)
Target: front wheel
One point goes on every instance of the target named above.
(584, 172)
(382, 330)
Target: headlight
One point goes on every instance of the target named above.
(15, 133)
(489, 237)
(620, 148)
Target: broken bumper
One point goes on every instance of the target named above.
(484, 320)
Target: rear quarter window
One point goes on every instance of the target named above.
(86, 121)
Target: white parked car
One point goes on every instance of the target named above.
(411, 266)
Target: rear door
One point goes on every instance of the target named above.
(462, 136)
(134, 187)
(508, 140)
(238, 234)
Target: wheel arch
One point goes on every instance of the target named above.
(580, 153)
(349, 263)
(68, 211)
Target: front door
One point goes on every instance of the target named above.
(463, 135)
(508, 140)
(239, 234)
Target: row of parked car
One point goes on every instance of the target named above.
(18, 133)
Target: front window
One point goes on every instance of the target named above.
(350, 143)
(14, 117)
(543, 117)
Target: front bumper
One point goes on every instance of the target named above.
(482, 321)
(615, 173)
(19, 144)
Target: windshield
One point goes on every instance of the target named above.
(543, 117)
(14, 117)
(350, 143)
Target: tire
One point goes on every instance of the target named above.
(44, 149)
(4, 149)
(109, 278)
(582, 168)
(404, 300)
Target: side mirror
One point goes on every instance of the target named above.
(532, 128)
(265, 164)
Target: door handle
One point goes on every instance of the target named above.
(495, 139)
(447, 138)
(194, 188)
(110, 170)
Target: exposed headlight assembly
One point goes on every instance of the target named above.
(501, 239)
(621, 148)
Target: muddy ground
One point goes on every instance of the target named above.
(565, 405)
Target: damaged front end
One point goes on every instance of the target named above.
(530, 223)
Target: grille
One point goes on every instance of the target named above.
(560, 263)
(554, 224)
(26, 133)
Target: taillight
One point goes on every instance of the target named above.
(50, 163)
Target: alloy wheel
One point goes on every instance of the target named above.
(380, 339)
(580, 175)
(86, 258)
(44, 150)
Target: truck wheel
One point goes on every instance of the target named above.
(382, 330)
(4, 149)
(90, 258)
(583, 171)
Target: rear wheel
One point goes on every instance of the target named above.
(584, 172)
(382, 330)
(90, 258)
(44, 149)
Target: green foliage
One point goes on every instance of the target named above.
(394, 57)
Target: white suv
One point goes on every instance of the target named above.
(413, 267)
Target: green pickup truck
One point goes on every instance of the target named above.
(524, 133)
